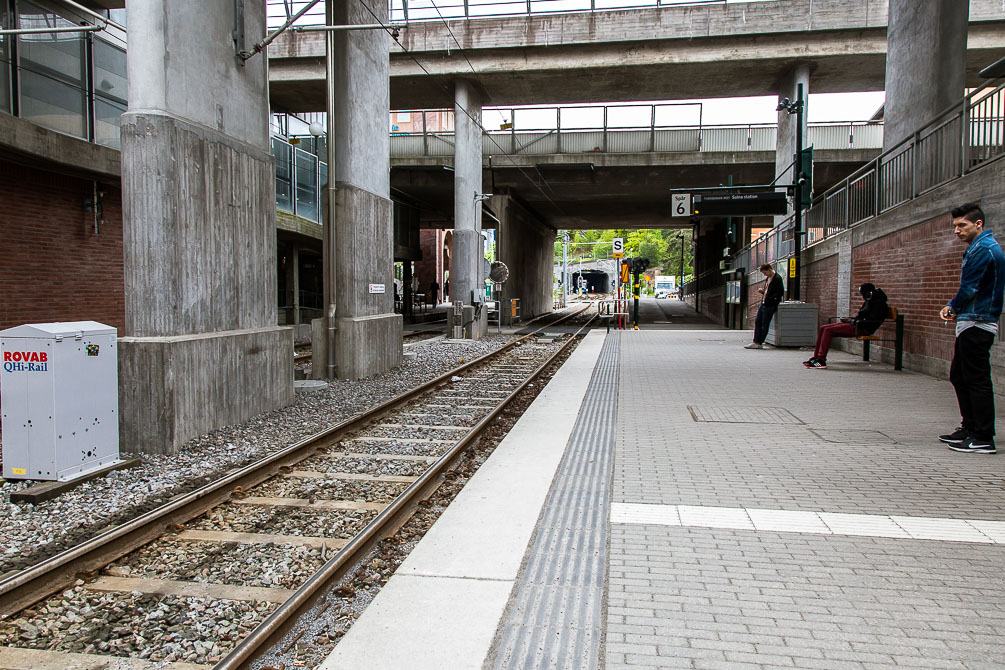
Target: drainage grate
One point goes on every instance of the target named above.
(774, 415)
(853, 436)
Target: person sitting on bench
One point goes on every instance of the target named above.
(868, 320)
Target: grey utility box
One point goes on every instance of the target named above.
(59, 396)
(794, 325)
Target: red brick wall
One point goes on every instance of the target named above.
(820, 287)
(53, 267)
(753, 303)
(919, 269)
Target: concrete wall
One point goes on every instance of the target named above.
(29, 143)
(527, 247)
(165, 398)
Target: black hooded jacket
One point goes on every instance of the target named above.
(874, 311)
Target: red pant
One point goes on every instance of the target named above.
(828, 331)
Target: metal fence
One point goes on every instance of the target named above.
(965, 137)
(436, 10)
(609, 129)
(300, 176)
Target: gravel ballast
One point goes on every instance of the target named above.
(35, 532)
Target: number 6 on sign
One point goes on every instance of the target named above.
(680, 204)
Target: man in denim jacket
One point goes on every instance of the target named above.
(976, 308)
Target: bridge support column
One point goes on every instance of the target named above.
(527, 247)
(466, 280)
(201, 347)
(785, 141)
(925, 63)
(368, 332)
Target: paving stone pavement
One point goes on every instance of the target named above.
(703, 422)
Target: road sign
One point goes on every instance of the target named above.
(619, 247)
(755, 203)
(680, 204)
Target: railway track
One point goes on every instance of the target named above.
(219, 574)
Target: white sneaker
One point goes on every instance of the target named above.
(754, 345)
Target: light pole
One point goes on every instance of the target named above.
(565, 267)
(798, 179)
(680, 286)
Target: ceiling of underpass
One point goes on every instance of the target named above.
(587, 191)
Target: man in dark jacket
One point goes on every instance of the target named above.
(976, 308)
(866, 322)
(772, 291)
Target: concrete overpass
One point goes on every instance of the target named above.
(667, 53)
(628, 189)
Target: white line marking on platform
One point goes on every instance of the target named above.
(826, 523)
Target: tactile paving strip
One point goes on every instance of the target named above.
(775, 415)
(555, 618)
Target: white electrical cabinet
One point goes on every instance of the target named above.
(59, 398)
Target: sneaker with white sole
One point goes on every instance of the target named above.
(973, 445)
(956, 437)
(754, 345)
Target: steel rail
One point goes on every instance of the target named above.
(270, 632)
(52, 575)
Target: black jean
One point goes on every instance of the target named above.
(970, 374)
(762, 321)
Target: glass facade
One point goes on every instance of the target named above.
(5, 22)
(71, 82)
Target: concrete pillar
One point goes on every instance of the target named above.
(527, 246)
(844, 287)
(785, 141)
(925, 63)
(466, 259)
(368, 334)
(201, 346)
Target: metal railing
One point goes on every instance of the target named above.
(300, 176)
(436, 10)
(609, 129)
(962, 139)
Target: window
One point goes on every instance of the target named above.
(51, 72)
(109, 81)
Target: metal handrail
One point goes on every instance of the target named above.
(426, 10)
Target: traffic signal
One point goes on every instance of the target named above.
(640, 265)
(625, 271)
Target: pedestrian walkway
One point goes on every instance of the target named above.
(712, 507)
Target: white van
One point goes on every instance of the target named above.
(666, 287)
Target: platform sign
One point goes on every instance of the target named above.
(680, 204)
(758, 203)
(619, 247)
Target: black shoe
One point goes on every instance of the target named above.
(972, 445)
(958, 436)
(818, 364)
(809, 363)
